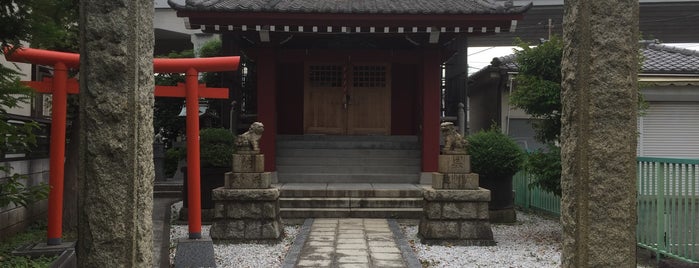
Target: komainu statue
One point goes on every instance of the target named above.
(454, 143)
(248, 142)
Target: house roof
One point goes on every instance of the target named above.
(658, 59)
(470, 7)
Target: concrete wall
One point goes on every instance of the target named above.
(14, 219)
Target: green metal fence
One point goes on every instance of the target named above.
(668, 212)
(534, 197)
(668, 205)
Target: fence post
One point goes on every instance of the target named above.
(461, 117)
(660, 203)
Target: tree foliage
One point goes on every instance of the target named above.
(538, 93)
(538, 89)
(45, 24)
(18, 138)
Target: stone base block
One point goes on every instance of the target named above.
(468, 230)
(247, 229)
(468, 181)
(248, 163)
(236, 180)
(195, 253)
(454, 163)
(507, 215)
(480, 195)
(246, 210)
(456, 210)
(224, 194)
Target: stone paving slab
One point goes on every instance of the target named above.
(350, 242)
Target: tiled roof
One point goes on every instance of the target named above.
(658, 59)
(355, 6)
(661, 58)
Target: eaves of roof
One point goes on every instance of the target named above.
(464, 7)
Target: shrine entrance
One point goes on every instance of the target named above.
(347, 99)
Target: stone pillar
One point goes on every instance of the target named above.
(598, 135)
(456, 209)
(247, 207)
(116, 148)
(159, 161)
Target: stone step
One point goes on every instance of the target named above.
(348, 161)
(348, 153)
(167, 189)
(356, 190)
(348, 145)
(350, 202)
(347, 178)
(347, 169)
(313, 137)
(402, 213)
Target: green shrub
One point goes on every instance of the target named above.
(172, 158)
(36, 233)
(494, 154)
(545, 168)
(216, 147)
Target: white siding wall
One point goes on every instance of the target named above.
(670, 129)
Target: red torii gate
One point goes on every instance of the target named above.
(60, 86)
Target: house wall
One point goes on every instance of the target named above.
(669, 127)
(14, 219)
(483, 105)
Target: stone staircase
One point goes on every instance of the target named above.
(350, 200)
(167, 189)
(348, 159)
(349, 176)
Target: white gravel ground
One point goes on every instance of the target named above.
(252, 255)
(534, 241)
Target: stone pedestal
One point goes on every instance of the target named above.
(247, 207)
(456, 209)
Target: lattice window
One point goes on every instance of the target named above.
(325, 76)
(369, 76)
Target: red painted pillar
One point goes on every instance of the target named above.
(57, 154)
(193, 180)
(430, 110)
(267, 104)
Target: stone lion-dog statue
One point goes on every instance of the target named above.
(249, 141)
(454, 143)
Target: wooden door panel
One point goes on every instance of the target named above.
(324, 96)
(325, 114)
(369, 109)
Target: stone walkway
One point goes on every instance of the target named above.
(350, 243)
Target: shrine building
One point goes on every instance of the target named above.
(370, 75)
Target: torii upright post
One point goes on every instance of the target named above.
(191, 68)
(193, 174)
(57, 153)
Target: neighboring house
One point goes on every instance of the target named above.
(669, 81)
(171, 35)
(34, 165)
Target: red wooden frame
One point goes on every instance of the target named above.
(60, 86)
